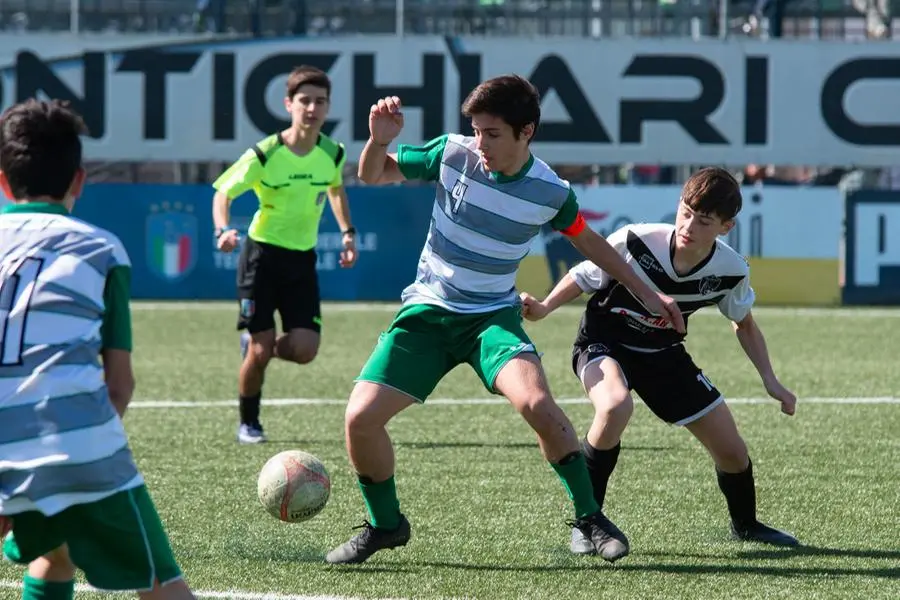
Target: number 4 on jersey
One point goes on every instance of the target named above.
(456, 195)
(17, 283)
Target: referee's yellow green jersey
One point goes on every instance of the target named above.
(291, 189)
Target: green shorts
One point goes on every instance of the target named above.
(118, 542)
(426, 342)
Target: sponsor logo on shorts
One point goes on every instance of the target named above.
(598, 349)
(524, 348)
(247, 308)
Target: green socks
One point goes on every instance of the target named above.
(572, 470)
(38, 589)
(381, 502)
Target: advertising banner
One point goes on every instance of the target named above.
(872, 249)
(168, 233)
(669, 101)
(791, 237)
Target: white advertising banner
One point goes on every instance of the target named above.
(775, 222)
(604, 102)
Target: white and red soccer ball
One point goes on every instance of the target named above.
(293, 486)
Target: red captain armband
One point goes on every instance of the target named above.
(576, 227)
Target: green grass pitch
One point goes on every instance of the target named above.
(487, 511)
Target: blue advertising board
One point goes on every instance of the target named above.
(872, 248)
(168, 232)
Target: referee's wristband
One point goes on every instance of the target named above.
(218, 231)
(349, 231)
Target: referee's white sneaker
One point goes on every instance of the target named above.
(251, 434)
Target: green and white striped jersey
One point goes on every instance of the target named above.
(61, 441)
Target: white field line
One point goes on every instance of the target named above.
(472, 401)
(232, 595)
(841, 312)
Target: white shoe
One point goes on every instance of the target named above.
(251, 434)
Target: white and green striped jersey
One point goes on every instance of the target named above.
(482, 224)
(61, 441)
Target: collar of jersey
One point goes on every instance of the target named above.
(501, 178)
(35, 207)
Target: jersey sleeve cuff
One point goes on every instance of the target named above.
(576, 227)
(581, 280)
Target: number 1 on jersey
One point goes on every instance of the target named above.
(17, 283)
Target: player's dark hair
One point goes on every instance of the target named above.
(307, 75)
(509, 97)
(40, 148)
(713, 191)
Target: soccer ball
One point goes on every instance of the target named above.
(293, 486)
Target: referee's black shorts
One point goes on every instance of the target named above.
(271, 278)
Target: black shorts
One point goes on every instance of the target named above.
(668, 381)
(271, 278)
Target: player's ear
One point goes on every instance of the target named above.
(727, 225)
(4, 185)
(527, 132)
(287, 103)
(77, 185)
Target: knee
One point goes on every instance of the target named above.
(54, 566)
(535, 405)
(615, 405)
(298, 351)
(259, 353)
(732, 456)
(305, 354)
(360, 416)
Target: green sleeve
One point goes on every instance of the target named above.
(241, 176)
(567, 214)
(116, 330)
(422, 162)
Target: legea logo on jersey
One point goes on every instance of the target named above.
(171, 240)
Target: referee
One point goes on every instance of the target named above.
(291, 173)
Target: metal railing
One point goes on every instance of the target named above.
(826, 19)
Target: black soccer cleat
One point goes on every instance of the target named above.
(369, 541)
(758, 532)
(597, 534)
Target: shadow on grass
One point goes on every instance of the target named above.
(701, 568)
(337, 441)
(317, 557)
(796, 552)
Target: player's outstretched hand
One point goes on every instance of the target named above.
(667, 308)
(532, 308)
(228, 241)
(782, 394)
(385, 120)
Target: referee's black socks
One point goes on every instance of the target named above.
(249, 407)
(600, 464)
(740, 495)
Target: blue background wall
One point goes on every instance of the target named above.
(391, 222)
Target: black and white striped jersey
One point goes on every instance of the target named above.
(614, 315)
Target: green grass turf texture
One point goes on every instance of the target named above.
(488, 512)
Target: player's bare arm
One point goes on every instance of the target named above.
(564, 292)
(340, 206)
(754, 344)
(599, 251)
(376, 166)
(119, 378)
